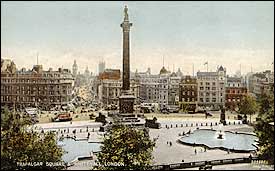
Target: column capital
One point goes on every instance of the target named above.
(126, 26)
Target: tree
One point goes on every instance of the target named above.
(19, 145)
(266, 102)
(248, 106)
(127, 148)
(264, 130)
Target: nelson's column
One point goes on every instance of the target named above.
(126, 100)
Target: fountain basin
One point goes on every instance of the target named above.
(75, 149)
(237, 142)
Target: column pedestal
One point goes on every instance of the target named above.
(126, 102)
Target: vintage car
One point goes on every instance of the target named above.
(62, 117)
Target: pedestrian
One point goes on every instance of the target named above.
(182, 161)
(228, 151)
(87, 129)
(204, 149)
(88, 135)
(170, 143)
(195, 151)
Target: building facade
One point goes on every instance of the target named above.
(262, 82)
(149, 88)
(36, 87)
(188, 95)
(211, 89)
(173, 89)
(109, 91)
(236, 90)
(110, 74)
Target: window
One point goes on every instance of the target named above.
(201, 94)
(207, 83)
(221, 94)
(213, 83)
(213, 94)
(201, 88)
(213, 88)
(207, 93)
(201, 99)
(214, 100)
(207, 99)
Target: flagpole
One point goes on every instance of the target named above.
(193, 69)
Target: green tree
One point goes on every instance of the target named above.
(126, 147)
(248, 106)
(19, 145)
(263, 128)
(266, 102)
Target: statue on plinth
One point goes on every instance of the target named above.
(222, 116)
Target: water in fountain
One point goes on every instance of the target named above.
(220, 133)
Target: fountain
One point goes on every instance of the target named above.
(74, 149)
(220, 132)
(224, 140)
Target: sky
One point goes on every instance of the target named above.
(232, 34)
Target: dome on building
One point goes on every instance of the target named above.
(173, 74)
(221, 69)
(163, 70)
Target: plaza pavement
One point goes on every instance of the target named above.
(239, 166)
(166, 154)
(73, 124)
(163, 153)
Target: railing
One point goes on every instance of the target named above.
(203, 163)
(198, 124)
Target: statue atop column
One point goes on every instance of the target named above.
(126, 13)
(126, 100)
